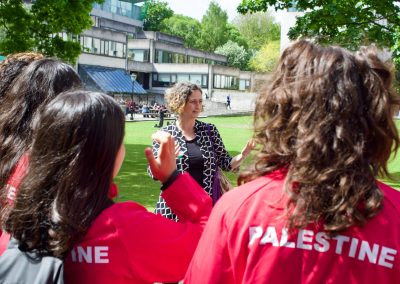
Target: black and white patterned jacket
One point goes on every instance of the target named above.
(222, 157)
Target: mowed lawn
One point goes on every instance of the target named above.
(134, 182)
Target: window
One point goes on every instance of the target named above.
(183, 78)
(226, 82)
(168, 79)
(87, 44)
(204, 81)
(96, 46)
(195, 79)
(105, 47)
(141, 55)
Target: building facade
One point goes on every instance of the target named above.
(153, 61)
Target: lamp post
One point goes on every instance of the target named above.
(133, 78)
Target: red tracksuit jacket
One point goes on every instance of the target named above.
(128, 244)
(12, 188)
(245, 241)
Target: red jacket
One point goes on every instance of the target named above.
(245, 241)
(128, 244)
(12, 187)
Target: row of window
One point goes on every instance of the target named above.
(230, 83)
(124, 8)
(226, 82)
(102, 47)
(168, 79)
(220, 81)
(163, 56)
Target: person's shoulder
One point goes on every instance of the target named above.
(171, 128)
(121, 208)
(267, 189)
(205, 125)
(114, 217)
(391, 197)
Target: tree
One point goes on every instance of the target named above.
(214, 30)
(154, 13)
(349, 23)
(266, 58)
(237, 55)
(185, 27)
(39, 27)
(257, 29)
(235, 36)
(14, 20)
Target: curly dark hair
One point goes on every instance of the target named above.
(327, 117)
(71, 165)
(36, 85)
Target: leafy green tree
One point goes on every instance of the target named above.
(350, 23)
(185, 27)
(235, 36)
(154, 13)
(39, 26)
(14, 20)
(257, 29)
(214, 30)
(266, 58)
(237, 55)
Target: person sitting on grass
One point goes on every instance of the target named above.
(64, 207)
(310, 208)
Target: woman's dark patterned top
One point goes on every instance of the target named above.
(222, 159)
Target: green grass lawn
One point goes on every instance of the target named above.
(135, 184)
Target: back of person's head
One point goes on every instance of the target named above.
(76, 141)
(327, 117)
(39, 83)
(177, 96)
(12, 66)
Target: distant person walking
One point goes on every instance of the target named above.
(228, 102)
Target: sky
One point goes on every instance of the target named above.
(197, 8)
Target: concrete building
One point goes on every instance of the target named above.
(116, 51)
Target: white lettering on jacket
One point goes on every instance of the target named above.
(321, 242)
(90, 254)
(11, 192)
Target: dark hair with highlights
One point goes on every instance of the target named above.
(71, 164)
(39, 83)
(12, 66)
(327, 117)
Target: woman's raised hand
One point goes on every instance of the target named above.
(164, 165)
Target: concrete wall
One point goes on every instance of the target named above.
(180, 68)
(151, 35)
(240, 101)
(225, 70)
(98, 60)
(113, 25)
(140, 66)
(139, 44)
(105, 34)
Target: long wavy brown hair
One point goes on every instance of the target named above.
(327, 117)
(75, 144)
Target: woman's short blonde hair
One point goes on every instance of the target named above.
(177, 96)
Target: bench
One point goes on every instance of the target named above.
(155, 114)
